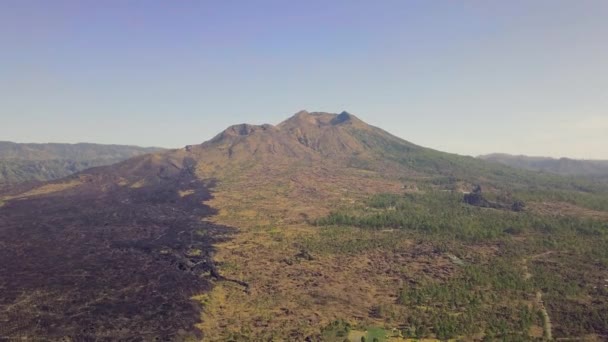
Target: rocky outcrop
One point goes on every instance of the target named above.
(476, 198)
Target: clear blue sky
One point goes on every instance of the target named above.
(468, 77)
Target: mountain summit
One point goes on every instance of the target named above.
(304, 137)
(319, 119)
(309, 140)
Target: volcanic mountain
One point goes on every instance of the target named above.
(325, 141)
(118, 252)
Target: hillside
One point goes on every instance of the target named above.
(347, 142)
(562, 166)
(321, 227)
(40, 162)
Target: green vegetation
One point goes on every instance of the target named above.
(444, 216)
(336, 331)
(376, 334)
(339, 331)
(590, 200)
(491, 294)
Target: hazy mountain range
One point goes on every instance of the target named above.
(27, 162)
(562, 166)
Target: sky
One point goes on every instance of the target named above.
(468, 77)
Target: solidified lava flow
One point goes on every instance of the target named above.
(105, 261)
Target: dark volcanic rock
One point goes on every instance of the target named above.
(341, 118)
(107, 261)
(477, 199)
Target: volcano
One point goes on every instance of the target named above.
(118, 252)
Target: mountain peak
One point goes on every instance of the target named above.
(344, 117)
(241, 130)
(319, 119)
(246, 129)
(300, 118)
(304, 136)
(302, 113)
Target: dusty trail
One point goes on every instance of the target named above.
(547, 327)
(546, 319)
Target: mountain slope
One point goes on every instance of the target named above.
(28, 162)
(344, 141)
(152, 237)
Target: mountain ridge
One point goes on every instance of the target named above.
(20, 162)
(63, 151)
(562, 166)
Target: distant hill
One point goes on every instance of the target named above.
(41, 162)
(562, 166)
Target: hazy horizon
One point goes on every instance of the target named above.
(473, 78)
